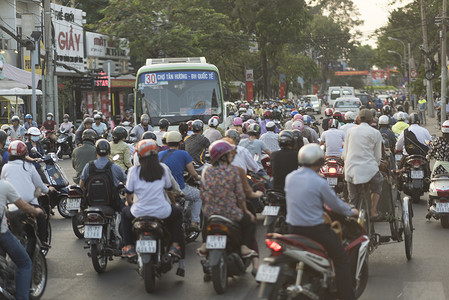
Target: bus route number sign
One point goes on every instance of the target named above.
(150, 78)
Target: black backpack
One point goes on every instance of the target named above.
(412, 145)
(100, 189)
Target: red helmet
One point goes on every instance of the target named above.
(146, 148)
(328, 112)
(219, 148)
(333, 123)
(267, 114)
(337, 115)
(17, 148)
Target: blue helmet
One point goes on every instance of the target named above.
(307, 119)
(28, 116)
(294, 113)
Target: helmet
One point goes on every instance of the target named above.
(445, 127)
(328, 112)
(301, 111)
(102, 147)
(309, 109)
(297, 117)
(163, 123)
(5, 127)
(294, 113)
(34, 131)
(197, 125)
(238, 121)
(212, 122)
(89, 135)
(146, 148)
(413, 119)
(245, 117)
(286, 139)
(28, 116)
(144, 117)
(242, 105)
(97, 117)
(400, 108)
(174, 137)
(3, 136)
(50, 114)
(386, 110)
(384, 120)
(267, 114)
(365, 115)
(66, 116)
(299, 125)
(254, 128)
(233, 134)
(333, 123)
(337, 115)
(307, 119)
(17, 148)
(119, 133)
(219, 148)
(189, 124)
(148, 135)
(373, 112)
(401, 116)
(242, 110)
(350, 116)
(310, 154)
(15, 118)
(270, 126)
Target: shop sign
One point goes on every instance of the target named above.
(100, 45)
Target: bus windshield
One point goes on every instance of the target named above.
(178, 96)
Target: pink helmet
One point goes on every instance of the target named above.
(299, 125)
(238, 121)
(297, 117)
(219, 148)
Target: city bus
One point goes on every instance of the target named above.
(179, 90)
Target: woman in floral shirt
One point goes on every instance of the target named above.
(222, 194)
(439, 150)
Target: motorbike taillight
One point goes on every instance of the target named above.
(94, 218)
(442, 193)
(275, 247)
(417, 162)
(217, 227)
(332, 170)
(146, 225)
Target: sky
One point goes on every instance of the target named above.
(375, 14)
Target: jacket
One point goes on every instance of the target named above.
(81, 156)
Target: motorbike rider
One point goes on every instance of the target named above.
(384, 128)
(34, 135)
(49, 124)
(120, 148)
(163, 127)
(285, 160)
(178, 161)
(362, 153)
(10, 244)
(313, 133)
(29, 122)
(328, 112)
(267, 117)
(128, 117)
(84, 154)
(196, 144)
(144, 126)
(243, 157)
(270, 138)
(4, 156)
(400, 125)
(17, 131)
(212, 133)
(238, 123)
(288, 124)
(333, 139)
(350, 117)
(79, 132)
(67, 126)
(399, 109)
(27, 181)
(148, 182)
(100, 127)
(386, 111)
(306, 193)
(337, 115)
(255, 146)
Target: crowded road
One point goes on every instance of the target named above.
(391, 276)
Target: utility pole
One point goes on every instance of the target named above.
(409, 82)
(429, 90)
(49, 81)
(443, 62)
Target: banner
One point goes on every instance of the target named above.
(351, 73)
(121, 97)
(19, 75)
(90, 106)
(282, 81)
(249, 85)
(104, 103)
(378, 77)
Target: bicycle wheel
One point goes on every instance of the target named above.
(364, 212)
(408, 227)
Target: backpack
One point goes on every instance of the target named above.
(412, 145)
(100, 189)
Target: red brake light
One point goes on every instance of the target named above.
(442, 193)
(417, 162)
(332, 170)
(276, 248)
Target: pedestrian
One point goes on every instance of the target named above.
(422, 107)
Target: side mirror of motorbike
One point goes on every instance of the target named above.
(116, 157)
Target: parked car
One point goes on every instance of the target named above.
(346, 104)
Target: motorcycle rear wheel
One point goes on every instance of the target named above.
(149, 276)
(78, 225)
(38, 276)
(279, 290)
(408, 230)
(360, 286)
(220, 275)
(444, 221)
(99, 260)
(62, 207)
(48, 241)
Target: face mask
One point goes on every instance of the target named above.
(35, 138)
(49, 118)
(65, 120)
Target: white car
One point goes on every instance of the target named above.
(347, 104)
(315, 102)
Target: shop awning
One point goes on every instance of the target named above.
(125, 81)
(12, 99)
(19, 92)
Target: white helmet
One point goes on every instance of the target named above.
(34, 131)
(270, 125)
(350, 116)
(310, 154)
(15, 118)
(401, 116)
(384, 120)
(213, 122)
(445, 127)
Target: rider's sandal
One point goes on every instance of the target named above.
(380, 216)
(250, 254)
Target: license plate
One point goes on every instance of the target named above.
(332, 181)
(442, 208)
(73, 203)
(267, 273)
(146, 246)
(271, 210)
(93, 231)
(398, 157)
(216, 242)
(419, 174)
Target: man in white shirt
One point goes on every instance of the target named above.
(350, 119)
(422, 134)
(243, 157)
(333, 139)
(362, 153)
(270, 138)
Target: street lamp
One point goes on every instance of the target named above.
(408, 61)
(397, 53)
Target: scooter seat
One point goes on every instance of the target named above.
(217, 218)
(299, 240)
(107, 210)
(147, 218)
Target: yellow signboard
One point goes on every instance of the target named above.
(27, 60)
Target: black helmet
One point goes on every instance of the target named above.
(88, 120)
(89, 135)
(197, 125)
(400, 108)
(297, 136)
(413, 119)
(102, 147)
(286, 139)
(148, 135)
(386, 110)
(119, 133)
(3, 136)
(233, 134)
(245, 117)
(164, 123)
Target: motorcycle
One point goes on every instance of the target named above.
(397, 157)
(439, 199)
(152, 246)
(258, 183)
(332, 169)
(299, 267)
(49, 141)
(412, 178)
(266, 163)
(275, 212)
(223, 258)
(24, 227)
(62, 144)
(56, 178)
(76, 206)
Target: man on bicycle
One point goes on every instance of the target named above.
(362, 153)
